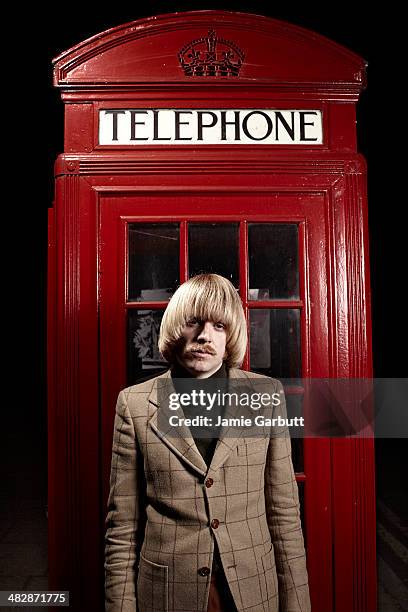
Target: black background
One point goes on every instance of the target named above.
(33, 137)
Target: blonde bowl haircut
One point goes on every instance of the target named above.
(208, 297)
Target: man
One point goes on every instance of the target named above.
(194, 525)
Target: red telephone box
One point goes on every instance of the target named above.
(208, 141)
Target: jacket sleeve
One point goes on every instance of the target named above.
(283, 516)
(124, 520)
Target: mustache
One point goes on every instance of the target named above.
(202, 348)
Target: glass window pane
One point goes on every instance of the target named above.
(301, 491)
(294, 408)
(273, 261)
(154, 253)
(275, 342)
(144, 359)
(213, 247)
(297, 454)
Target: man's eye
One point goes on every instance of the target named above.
(220, 325)
(193, 321)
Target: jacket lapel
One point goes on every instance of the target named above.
(229, 436)
(178, 439)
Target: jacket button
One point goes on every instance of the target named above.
(204, 571)
(209, 482)
(215, 523)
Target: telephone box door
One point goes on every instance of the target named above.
(275, 253)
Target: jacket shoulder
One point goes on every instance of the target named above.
(237, 373)
(144, 386)
(258, 381)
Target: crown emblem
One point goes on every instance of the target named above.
(211, 56)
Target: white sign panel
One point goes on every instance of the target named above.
(215, 127)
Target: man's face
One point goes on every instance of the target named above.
(203, 347)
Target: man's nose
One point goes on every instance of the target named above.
(204, 334)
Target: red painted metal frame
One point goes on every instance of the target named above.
(99, 189)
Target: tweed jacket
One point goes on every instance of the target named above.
(166, 508)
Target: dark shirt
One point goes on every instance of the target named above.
(206, 445)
